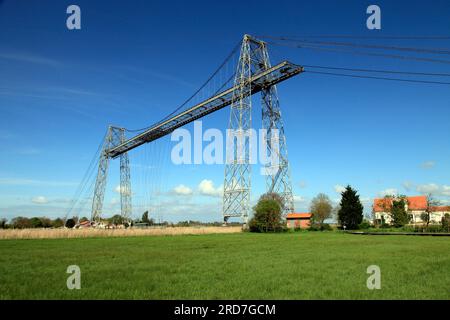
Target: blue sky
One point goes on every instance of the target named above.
(133, 62)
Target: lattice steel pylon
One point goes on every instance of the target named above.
(278, 177)
(253, 59)
(114, 137)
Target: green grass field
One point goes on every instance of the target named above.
(228, 266)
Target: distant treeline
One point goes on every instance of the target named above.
(34, 222)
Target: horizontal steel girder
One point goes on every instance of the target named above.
(260, 81)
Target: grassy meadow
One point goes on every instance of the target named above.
(304, 265)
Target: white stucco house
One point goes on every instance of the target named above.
(415, 206)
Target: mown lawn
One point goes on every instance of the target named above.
(228, 266)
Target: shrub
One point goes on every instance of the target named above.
(320, 227)
(325, 227)
(364, 225)
(434, 228)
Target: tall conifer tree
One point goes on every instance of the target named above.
(350, 213)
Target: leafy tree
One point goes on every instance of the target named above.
(58, 223)
(21, 223)
(445, 222)
(267, 217)
(400, 216)
(273, 196)
(36, 222)
(350, 214)
(46, 222)
(321, 209)
(70, 223)
(116, 219)
(3, 223)
(145, 218)
(431, 202)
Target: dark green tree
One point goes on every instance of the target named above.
(145, 218)
(267, 217)
(399, 215)
(70, 223)
(36, 222)
(350, 214)
(3, 223)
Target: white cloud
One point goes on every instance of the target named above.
(365, 200)
(206, 187)
(408, 185)
(388, 192)
(428, 188)
(182, 190)
(446, 190)
(299, 199)
(118, 189)
(339, 189)
(435, 189)
(428, 164)
(39, 200)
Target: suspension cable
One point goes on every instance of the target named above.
(236, 47)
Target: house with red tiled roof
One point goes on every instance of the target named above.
(85, 224)
(415, 206)
(298, 220)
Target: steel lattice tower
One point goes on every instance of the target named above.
(278, 177)
(254, 58)
(236, 196)
(114, 137)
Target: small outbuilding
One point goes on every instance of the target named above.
(298, 220)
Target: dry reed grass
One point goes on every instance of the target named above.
(87, 233)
